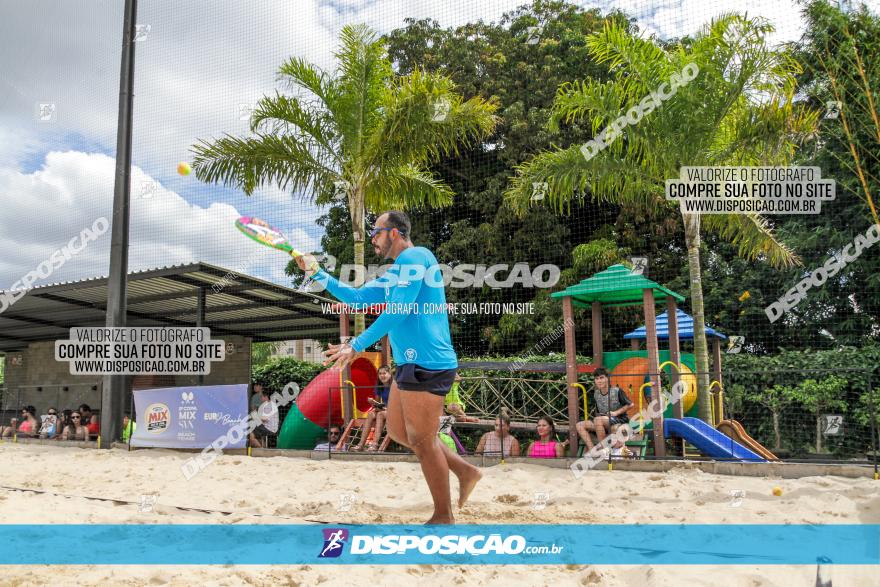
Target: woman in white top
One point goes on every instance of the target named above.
(499, 442)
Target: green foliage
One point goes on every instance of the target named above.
(818, 396)
(838, 53)
(360, 132)
(711, 120)
(799, 386)
(277, 373)
(774, 398)
(734, 398)
(261, 352)
(846, 309)
(494, 59)
(597, 255)
(752, 370)
(869, 403)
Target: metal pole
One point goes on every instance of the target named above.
(113, 392)
(654, 369)
(200, 323)
(873, 417)
(571, 374)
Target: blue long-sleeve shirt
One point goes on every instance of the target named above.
(415, 318)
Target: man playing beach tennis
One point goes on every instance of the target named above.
(417, 324)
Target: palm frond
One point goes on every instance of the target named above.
(752, 237)
(262, 160)
(569, 177)
(424, 119)
(301, 74)
(638, 64)
(310, 125)
(406, 187)
(363, 73)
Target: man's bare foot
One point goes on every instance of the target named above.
(435, 519)
(466, 484)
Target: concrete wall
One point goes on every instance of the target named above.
(39, 380)
(304, 350)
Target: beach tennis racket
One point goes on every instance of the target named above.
(265, 234)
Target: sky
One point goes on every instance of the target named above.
(198, 63)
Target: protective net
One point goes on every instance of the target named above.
(581, 174)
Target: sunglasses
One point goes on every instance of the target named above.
(53, 414)
(74, 418)
(377, 230)
(334, 434)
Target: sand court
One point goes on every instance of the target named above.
(73, 485)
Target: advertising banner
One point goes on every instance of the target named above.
(189, 417)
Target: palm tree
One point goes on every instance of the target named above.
(362, 133)
(739, 110)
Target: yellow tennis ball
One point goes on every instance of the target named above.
(183, 168)
(777, 491)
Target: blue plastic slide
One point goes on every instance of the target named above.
(709, 441)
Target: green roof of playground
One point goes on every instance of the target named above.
(615, 286)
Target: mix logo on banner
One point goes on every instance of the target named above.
(158, 418)
(188, 417)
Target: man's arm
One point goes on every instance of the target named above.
(622, 399)
(370, 293)
(400, 305)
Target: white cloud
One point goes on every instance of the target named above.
(198, 63)
(72, 189)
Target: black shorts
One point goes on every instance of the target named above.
(262, 432)
(411, 377)
(615, 420)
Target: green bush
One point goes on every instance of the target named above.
(277, 373)
(780, 398)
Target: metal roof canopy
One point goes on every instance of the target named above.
(685, 328)
(615, 286)
(241, 305)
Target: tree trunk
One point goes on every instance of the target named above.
(356, 208)
(701, 347)
(818, 434)
(777, 437)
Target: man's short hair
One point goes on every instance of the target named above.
(400, 221)
(84, 407)
(600, 372)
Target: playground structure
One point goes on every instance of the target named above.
(340, 397)
(322, 403)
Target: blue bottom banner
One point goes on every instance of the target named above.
(525, 544)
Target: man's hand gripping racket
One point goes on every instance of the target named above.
(266, 234)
